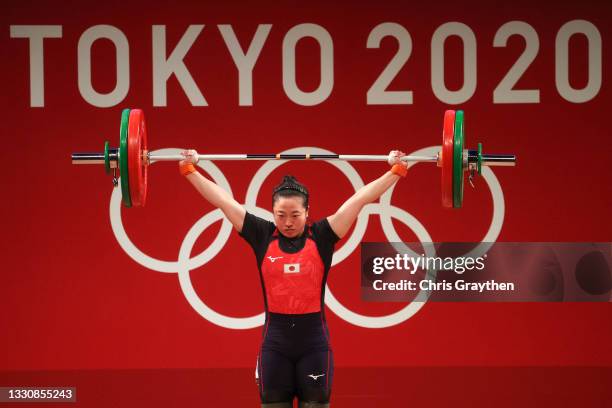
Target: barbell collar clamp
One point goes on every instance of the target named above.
(492, 159)
(96, 158)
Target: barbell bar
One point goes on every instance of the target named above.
(132, 158)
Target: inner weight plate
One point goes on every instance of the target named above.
(107, 167)
(458, 168)
(123, 158)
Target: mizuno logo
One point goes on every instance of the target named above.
(314, 377)
(272, 258)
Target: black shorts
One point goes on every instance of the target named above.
(295, 359)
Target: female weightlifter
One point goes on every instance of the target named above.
(293, 257)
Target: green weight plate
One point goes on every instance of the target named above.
(106, 159)
(458, 161)
(479, 158)
(123, 158)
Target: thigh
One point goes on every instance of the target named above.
(276, 377)
(314, 376)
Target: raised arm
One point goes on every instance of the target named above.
(214, 194)
(341, 221)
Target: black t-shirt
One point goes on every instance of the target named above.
(259, 233)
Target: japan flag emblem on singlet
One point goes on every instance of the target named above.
(291, 268)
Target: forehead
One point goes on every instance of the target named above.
(289, 204)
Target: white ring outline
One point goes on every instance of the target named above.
(168, 266)
(185, 264)
(187, 287)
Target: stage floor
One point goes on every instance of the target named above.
(353, 387)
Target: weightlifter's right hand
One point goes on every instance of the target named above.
(186, 166)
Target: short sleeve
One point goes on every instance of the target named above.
(324, 232)
(325, 238)
(257, 231)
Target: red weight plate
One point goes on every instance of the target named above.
(137, 165)
(447, 158)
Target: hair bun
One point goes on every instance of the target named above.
(289, 179)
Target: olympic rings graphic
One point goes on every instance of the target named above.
(184, 264)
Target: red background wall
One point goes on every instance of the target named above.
(73, 299)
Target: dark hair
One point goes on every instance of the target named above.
(290, 187)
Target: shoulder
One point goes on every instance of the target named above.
(259, 221)
(256, 225)
(321, 230)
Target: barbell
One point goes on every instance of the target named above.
(132, 158)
